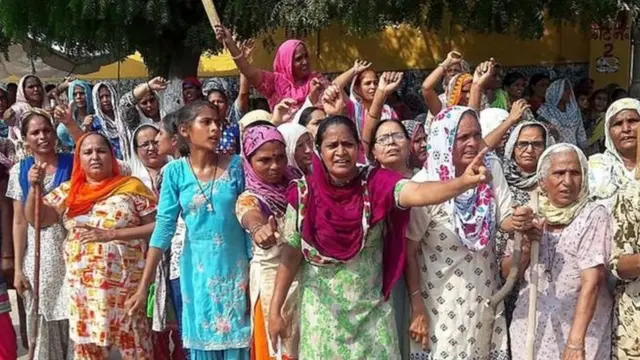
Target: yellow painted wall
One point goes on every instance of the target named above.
(398, 48)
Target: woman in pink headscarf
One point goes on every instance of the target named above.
(291, 78)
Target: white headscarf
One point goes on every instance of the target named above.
(291, 133)
(137, 167)
(571, 117)
(512, 172)
(565, 215)
(607, 172)
(491, 118)
(112, 128)
(21, 106)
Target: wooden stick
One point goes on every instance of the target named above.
(212, 13)
(36, 272)
(533, 293)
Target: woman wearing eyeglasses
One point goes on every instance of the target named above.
(523, 149)
(146, 162)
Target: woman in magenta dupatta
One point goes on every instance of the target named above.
(291, 76)
(344, 230)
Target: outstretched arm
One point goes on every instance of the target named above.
(253, 74)
(415, 194)
(343, 80)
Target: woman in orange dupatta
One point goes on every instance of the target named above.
(109, 218)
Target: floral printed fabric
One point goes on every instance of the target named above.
(343, 315)
(103, 275)
(473, 212)
(214, 267)
(54, 292)
(456, 282)
(626, 221)
(582, 245)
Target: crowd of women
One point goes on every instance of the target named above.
(325, 227)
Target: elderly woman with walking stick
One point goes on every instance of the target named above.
(574, 304)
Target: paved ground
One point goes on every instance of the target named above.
(22, 352)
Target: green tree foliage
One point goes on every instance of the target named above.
(171, 34)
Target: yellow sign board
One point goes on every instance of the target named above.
(610, 53)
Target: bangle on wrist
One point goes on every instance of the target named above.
(7, 257)
(574, 347)
(240, 54)
(415, 293)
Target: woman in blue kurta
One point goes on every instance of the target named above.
(214, 267)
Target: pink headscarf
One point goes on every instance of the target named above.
(333, 223)
(272, 195)
(281, 84)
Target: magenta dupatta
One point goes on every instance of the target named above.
(280, 83)
(273, 195)
(333, 218)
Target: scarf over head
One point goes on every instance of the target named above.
(83, 196)
(412, 127)
(292, 132)
(87, 95)
(565, 215)
(454, 89)
(491, 118)
(571, 117)
(111, 127)
(284, 83)
(333, 220)
(474, 212)
(138, 169)
(512, 172)
(272, 195)
(21, 106)
(607, 172)
(63, 169)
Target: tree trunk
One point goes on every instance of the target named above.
(183, 64)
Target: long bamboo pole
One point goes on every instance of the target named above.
(37, 191)
(533, 293)
(212, 13)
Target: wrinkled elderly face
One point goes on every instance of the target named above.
(528, 148)
(622, 130)
(467, 142)
(563, 179)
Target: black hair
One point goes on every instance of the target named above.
(170, 123)
(377, 127)
(305, 116)
(49, 87)
(187, 114)
(12, 85)
(592, 98)
(259, 104)
(222, 93)
(24, 127)
(535, 79)
(336, 120)
(618, 94)
(106, 140)
(258, 123)
(512, 77)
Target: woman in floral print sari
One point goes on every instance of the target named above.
(107, 217)
(347, 223)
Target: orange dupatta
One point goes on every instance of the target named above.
(82, 196)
